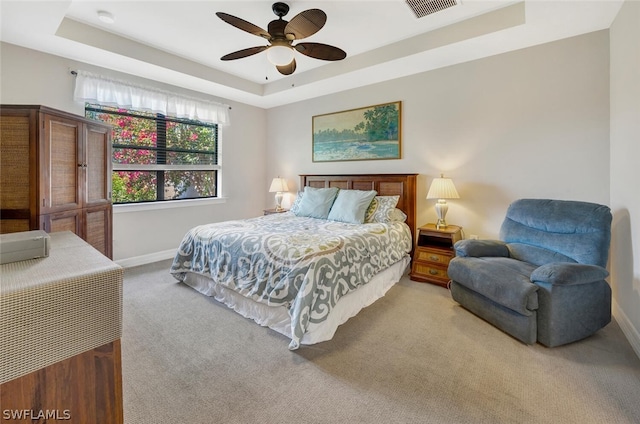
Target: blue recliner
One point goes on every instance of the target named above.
(544, 280)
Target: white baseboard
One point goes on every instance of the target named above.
(146, 259)
(627, 327)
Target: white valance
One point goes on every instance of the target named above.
(112, 92)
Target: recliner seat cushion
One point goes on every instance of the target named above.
(505, 281)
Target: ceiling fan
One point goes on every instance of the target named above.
(281, 36)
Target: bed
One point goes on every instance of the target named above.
(301, 275)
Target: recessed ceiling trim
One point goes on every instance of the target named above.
(478, 26)
(42, 29)
(100, 39)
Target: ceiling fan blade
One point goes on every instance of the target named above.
(320, 51)
(243, 53)
(305, 24)
(243, 25)
(287, 69)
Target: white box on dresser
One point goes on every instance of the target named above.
(24, 245)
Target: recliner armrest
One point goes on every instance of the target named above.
(566, 273)
(480, 248)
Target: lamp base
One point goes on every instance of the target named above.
(279, 197)
(441, 210)
(441, 224)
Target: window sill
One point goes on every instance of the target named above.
(154, 206)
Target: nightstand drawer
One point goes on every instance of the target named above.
(431, 271)
(434, 256)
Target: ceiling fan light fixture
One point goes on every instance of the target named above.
(280, 55)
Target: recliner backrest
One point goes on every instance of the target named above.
(540, 231)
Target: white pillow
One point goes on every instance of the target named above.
(316, 202)
(351, 205)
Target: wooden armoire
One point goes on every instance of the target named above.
(55, 174)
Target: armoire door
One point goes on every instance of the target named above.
(97, 157)
(17, 170)
(97, 228)
(61, 164)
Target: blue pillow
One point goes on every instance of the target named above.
(350, 206)
(316, 202)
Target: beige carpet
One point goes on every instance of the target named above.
(414, 356)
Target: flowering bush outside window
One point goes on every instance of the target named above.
(158, 158)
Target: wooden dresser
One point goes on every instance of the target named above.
(55, 174)
(60, 326)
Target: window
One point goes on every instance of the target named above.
(156, 157)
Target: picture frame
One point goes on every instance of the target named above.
(367, 133)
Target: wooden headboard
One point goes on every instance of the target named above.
(403, 185)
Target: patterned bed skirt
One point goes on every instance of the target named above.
(277, 317)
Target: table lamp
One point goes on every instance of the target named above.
(442, 188)
(278, 185)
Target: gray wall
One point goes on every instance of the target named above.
(625, 169)
(530, 123)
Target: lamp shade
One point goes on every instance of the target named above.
(278, 184)
(442, 188)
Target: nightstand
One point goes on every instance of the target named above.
(272, 211)
(434, 250)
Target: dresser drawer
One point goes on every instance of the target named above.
(433, 256)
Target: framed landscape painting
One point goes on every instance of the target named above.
(368, 133)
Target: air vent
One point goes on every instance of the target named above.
(426, 7)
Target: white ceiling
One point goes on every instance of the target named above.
(181, 42)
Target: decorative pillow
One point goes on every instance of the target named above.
(380, 209)
(351, 205)
(296, 203)
(316, 202)
(396, 215)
